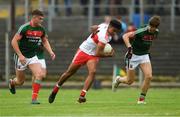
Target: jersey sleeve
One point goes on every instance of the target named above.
(22, 30)
(102, 39)
(102, 35)
(140, 30)
(44, 32)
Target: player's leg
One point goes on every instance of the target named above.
(17, 81)
(20, 76)
(129, 79)
(37, 73)
(78, 60)
(91, 65)
(67, 74)
(131, 65)
(44, 71)
(43, 68)
(147, 71)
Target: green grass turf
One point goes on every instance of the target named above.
(103, 102)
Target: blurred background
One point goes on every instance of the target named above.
(67, 23)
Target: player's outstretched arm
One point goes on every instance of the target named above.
(47, 46)
(126, 38)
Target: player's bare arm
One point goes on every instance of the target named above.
(48, 47)
(15, 46)
(100, 51)
(94, 28)
(126, 38)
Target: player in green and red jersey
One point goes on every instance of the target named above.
(26, 44)
(138, 43)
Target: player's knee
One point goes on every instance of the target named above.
(148, 76)
(43, 75)
(38, 75)
(92, 72)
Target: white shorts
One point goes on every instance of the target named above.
(19, 66)
(137, 60)
(43, 63)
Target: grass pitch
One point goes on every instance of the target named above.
(103, 102)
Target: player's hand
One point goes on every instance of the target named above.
(129, 53)
(112, 53)
(53, 56)
(22, 59)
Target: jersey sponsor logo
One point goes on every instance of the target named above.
(148, 37)
(35, 41)
(34, 33)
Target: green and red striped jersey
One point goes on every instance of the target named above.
(143, 40)
(31, 42)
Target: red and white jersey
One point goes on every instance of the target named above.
(90, 44)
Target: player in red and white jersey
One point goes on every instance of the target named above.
(89, 53)
(90, 44)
